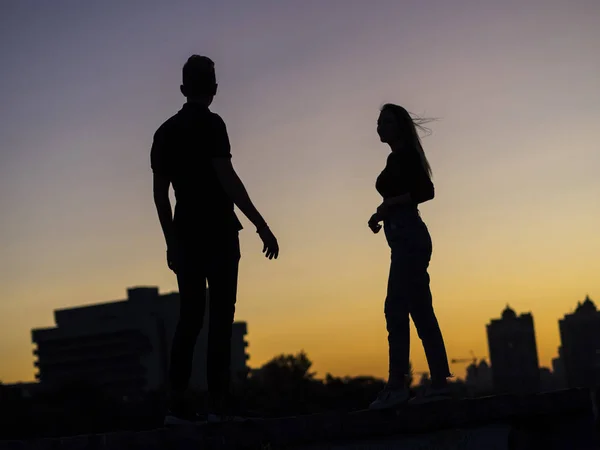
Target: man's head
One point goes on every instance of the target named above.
(199, 79)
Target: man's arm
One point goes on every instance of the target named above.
(236, 190)
(163, 207)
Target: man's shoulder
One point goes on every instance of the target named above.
(215, 119)
(208, 117)
(206, 125)
(167, 126)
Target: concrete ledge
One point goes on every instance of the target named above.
(492, 437)
(486, 421)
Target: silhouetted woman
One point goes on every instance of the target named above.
(405, 183)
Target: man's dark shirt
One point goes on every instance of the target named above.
(404, 174)
(182, 151)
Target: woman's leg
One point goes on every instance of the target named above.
(396, 316)
(397, 320)
(421, 307)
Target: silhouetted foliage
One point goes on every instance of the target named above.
(287, 369)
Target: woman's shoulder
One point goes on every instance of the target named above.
(394, 157)
(401, 157)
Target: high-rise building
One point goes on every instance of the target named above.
(513, 353)
(580, 345)
(479, 377)
(558, 371)
(124, 345)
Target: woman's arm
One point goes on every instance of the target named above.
(421, 192)
(423, 189)
(403, 199)
(421, 186)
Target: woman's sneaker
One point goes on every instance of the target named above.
(183, 414)
(390, 398)
(433, 394)
(223, 411)
(173, 419)
(218, 418)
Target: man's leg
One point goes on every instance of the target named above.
(222, 281)
(192, 293)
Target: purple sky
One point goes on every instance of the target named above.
(515, 159)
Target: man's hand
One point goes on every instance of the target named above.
(374, 223)
(270, 245)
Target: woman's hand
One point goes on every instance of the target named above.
(374, 224)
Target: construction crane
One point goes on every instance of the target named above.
(472, 359)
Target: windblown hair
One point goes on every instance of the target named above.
(411, 124)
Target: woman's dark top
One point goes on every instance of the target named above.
(404, 174)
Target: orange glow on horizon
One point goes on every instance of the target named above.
(514, 157)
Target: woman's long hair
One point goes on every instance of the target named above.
(411, 124)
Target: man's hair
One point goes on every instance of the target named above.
(198, 76)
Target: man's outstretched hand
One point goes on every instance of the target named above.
(270, 245)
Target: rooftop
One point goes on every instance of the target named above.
(493, 422)
(509, 313)
(586, 307)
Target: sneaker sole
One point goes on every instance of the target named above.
(424, 400)
(213, 418)
(394, 405)
(175, 421)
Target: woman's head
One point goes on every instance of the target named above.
(399, 129)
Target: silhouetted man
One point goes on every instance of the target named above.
(191, 151)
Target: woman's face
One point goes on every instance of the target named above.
(387, 127)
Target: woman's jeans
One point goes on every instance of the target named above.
(409, 294)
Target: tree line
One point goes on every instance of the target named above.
(284, 386)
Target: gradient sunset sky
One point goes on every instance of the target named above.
(515, 155)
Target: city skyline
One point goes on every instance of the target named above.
(514, 157)
(150, 294)
(124, 344)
